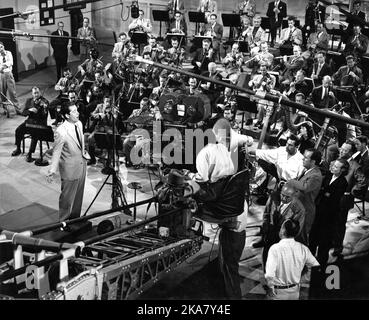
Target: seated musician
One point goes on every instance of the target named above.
(89, 66)
(318, 40)
(120, 48)
(178, 25)
(192, 89)
(298, 85)
(140, 24)
(156, 51)
(176, 53)
(36, 109)
(203, 56)
(357, 44)
(245, 25)
(215, 30)
(324, 96)
(357, 16)
(233, 60)
(254, 35)
(320, 69)
(261, 84)
(161, 88)
(263, 57)
(102, 121)
(208, 6)
(290, 36)
(98, 90)
(348, 75)
(64, 85)
(291, 65)
(248, 8)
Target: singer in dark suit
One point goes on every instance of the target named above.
(327, 210)
(70, 157)
(277, 10)
(308, 185)
(60, 47)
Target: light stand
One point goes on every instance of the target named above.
(118, 198)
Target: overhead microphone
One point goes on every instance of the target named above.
(135, 10)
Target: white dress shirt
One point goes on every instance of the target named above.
(213, 163)
(286, 260)
(288, 167)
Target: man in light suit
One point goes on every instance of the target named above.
(88, 36)
(141, 24)
(255, 35)
(289, 37)
(308, 186)
(60, 47)
(70, 156)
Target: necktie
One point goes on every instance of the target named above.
(78, 136)
(60, 33)
(177, 25)
(324, 92)
(319, 68)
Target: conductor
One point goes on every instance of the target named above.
(70, 156)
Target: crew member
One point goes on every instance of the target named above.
(59, 43)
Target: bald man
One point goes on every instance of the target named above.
(278, 209)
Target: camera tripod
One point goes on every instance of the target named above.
(109, 141)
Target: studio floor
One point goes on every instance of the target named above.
(24, 184)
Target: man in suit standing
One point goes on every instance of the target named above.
(214, 29)
(88, 36)
(59, 43)
(308, 186)
(277, 10)
(327, 210)
(70, 156)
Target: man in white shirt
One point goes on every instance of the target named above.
(285, 264)
(214, 165)
(141, 24)
(7, 83)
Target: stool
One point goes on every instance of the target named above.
(26, 136)
(134, 186)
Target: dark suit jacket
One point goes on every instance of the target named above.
(353, 48)
(324, 71)
(355, 19)
(308, 189)
(282, 8)
(310, 15)
(199, 57)
(182, 26)
(316, 98)
(218, 29)
(60, 46)
(328, 202)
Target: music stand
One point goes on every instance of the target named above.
(160, 15)
(41, 134)
(346, 95)
(139, 38)
(232, 21)
(197, 40)
(197, 17)
(244, 104)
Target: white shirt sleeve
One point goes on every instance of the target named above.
(271, 265)
(269, 155)
(310, 259)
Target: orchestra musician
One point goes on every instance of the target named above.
(315, 13)
(318, 40)
(323, 97)
(209, 88)
(175, 54)
(277, 10)
(140, 24)
(208, 6)
(291, 65)
(175, 6)
(215, 30)
(203, 56)
(161, 88)
(290, 36)
(348, 75)
(357, 17)
(247, 7)
(320, 69)
(254, 35)
(245, 25)
(157, 52)
(233, 60)
(120, 48)
(264, 56)
(36, 109)
(178, 25)
(262, 83)
(192, 89)
(64, 85)
(357, 44)
(88, 36)
(298, 85)
(90, 66)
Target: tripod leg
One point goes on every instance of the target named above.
(97, 194)
(120, 193)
